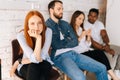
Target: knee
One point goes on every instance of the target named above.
(102, 68)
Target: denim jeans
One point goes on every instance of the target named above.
(72, 64)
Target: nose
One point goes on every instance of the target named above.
(61, 10)
(36, 27)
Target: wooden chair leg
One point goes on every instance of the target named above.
(66, 77)
(85, 72)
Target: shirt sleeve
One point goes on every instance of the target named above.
(47, 44)
(101, 26)
(28, 51)
(73, 41)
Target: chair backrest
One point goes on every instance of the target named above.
(15, 51)
(15, 55)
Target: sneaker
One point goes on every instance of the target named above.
(117, 73)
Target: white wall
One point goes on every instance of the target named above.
(113, 21)
(12, 14)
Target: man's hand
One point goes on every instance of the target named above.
(109, 50)
(112, 52)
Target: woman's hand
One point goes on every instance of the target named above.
(83, 34)
(12, 72)
(88, 32)
(13, 69)
(33, 33)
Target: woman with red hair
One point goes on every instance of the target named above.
(32, 66)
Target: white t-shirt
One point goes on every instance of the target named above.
(96, 28)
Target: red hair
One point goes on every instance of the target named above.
(26, 28)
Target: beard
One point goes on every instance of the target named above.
(91, 21)
(58, 16)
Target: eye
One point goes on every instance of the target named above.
(58, 9)
(32, 23)
(40, 22)
(79, 19)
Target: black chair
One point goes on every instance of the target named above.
(15, 55)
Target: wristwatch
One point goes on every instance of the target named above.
(19, 60)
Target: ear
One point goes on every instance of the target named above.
(51, 10)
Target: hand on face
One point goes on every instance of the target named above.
(35, 26)
(33, 33)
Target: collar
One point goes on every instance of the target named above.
(53, 23)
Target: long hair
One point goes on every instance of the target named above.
(29, 40)
(73, 20)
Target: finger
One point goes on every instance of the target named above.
(12, 77)
(29, 31)
(11, 74)
(32, 31)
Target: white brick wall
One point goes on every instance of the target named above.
(12, 13)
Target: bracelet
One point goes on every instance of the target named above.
(19, 60)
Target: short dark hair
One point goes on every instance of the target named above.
(52, 3)
(94, 10)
